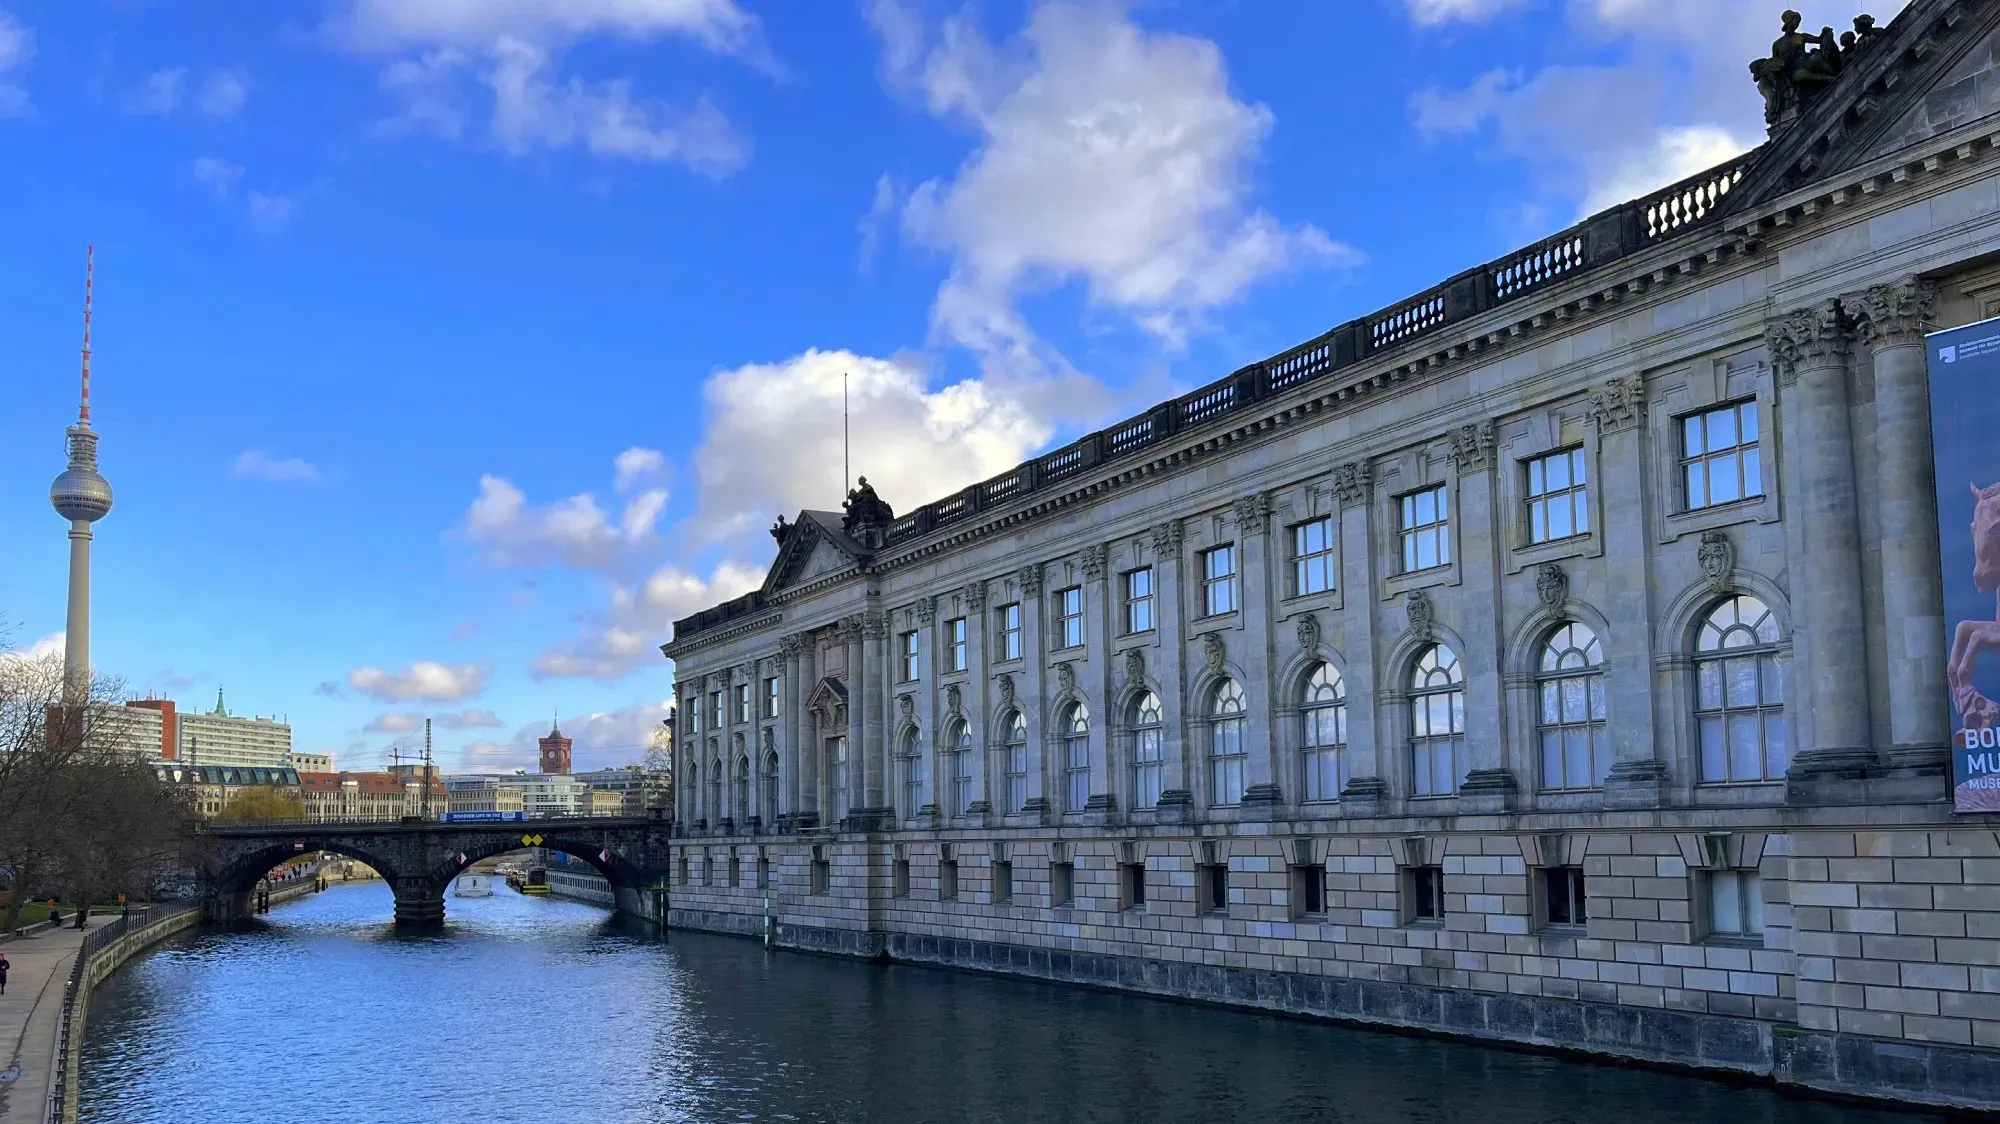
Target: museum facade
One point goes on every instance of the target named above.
(1557, 656)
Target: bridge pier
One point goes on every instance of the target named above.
(419, 903)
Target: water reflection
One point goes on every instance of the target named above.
(526, 1011)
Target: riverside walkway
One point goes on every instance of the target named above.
(29, 1015)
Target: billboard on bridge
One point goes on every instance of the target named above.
(484, 817)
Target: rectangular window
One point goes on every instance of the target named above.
(1212, 887)
(763, 874)
(902, 878)
(1735, 903)
(1423, 523)
(1139, 600)
(1721, 461)
(822, 876)
(708, 870)
(1308, 891)
(693, 711)
(1312, 557)
(1069, 617)
(906, 647)
(1062, 884)
(1003, 882)
(1558, 497)
(1218, 580)
(684, 868)
(735, 871)
(1132, 885)
(771, 697)
(947, 879)
(743, 702)
(1423, 895)
(715, 715)
(954, 633)
(1009, 619)
(1562, 896)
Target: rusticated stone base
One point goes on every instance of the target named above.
(1842, 1064)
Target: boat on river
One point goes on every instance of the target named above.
(535, 880)
(472, 886)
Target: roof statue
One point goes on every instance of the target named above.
(1802, 65)
(779, 530)
(868, 517)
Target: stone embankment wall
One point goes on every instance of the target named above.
(582, 885)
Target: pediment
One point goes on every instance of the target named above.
(828, 701)
(1923, 76)
(812, 549)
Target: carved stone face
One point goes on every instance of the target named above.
(1986, 537)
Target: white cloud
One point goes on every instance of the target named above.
(45, 647)
(256, 465)
(880, 211)
(271, 210)
(487, 756)
(161, 93)
(771, 436)
(1108, 154)
(1430, 13)
(165, 92)
(1673, 99)
(223, 93)
(636, 465)
(512, 48)
(404, 722)
(17, 48)
(605, 739)
(627, 635)
(217, 175)
(425, 679)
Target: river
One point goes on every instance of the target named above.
(543, 1011)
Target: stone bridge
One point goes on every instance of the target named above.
(419, 858)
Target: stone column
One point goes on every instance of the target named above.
(1490, 782)
(857, 706)
(1034, 692)
(805, 748)
(1809, 350)
(1170, 605)
(1263, 791)
(790, 657)
(1638, 779)
(875, 689)
(1893, 320)
(929, 709)
(978, 658)
(1097, 632)
(1366, 787)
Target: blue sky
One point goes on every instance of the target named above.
(448, 350)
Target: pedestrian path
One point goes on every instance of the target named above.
(30, 1013)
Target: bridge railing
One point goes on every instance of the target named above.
(94, 942)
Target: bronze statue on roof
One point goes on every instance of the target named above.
(868, 517)
(1802, 65)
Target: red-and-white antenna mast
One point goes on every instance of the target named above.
(89, 279)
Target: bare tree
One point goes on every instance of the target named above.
(81, 809)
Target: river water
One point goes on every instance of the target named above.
(542, 1011)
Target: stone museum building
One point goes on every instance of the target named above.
(1556, 656)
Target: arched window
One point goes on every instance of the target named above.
(1017, 760)
(1739, 694)
(959, 738)
(1225, 744)
(691, 787)
(1076, 758)
(1147, 751)
(1437, 722)
(836, 774)
(715, 807)
(1575, 750)
(910, 751)
(770, 791)
(742, 790)
(1323, 710)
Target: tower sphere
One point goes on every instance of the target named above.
(80, 493)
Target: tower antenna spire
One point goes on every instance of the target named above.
(89, 281)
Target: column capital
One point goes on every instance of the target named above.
(1029, 578)
(1096, 560)
(975, 596)
(875, 624)
(1253, 512)
(1353, 482)
(1619, 404)
(1807, 337)
(1472, 447)
(849, 628)
(1899, 312)
(926, 610)
(1167, 539)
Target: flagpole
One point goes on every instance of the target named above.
(846, 471)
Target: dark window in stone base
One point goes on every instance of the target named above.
(947, 880)
(763, 874)
(735, 872)
(1212, 887)
(1308, 891)
(1563, 902)
(1062, 884)
(902, 878)
(1003, 882)
(1132, 885)
(822, 876)
(1423, 895)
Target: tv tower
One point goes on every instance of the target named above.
(81, 496)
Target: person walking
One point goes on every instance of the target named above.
(55, 915)
(3, 973)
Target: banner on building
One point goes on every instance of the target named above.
(1965, 427)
